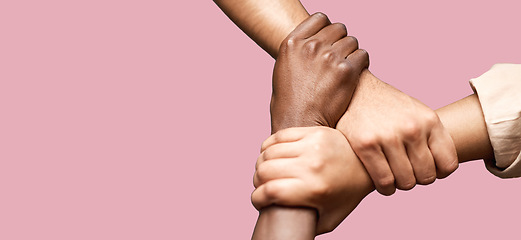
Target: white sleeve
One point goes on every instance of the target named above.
(499, 92)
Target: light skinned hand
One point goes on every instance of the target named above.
(311, 167)
(315, 74)
(399, 140)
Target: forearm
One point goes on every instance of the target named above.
(266, 22)
(463, 119)
(343, 175)
(285, 223)
(280, 223)
(466, 124)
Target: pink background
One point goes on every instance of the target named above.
(143, 119)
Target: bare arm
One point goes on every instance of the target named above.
(394, 147)
(466, 124)
(267, 22)
(289, 175)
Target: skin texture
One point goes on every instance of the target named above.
(314, 78)
(407, 147)
(311, 167)
(316, 167)
(315, 74)
(466, 124)
(268, 23)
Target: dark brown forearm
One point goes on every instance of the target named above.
(285, 223)
(281, 223)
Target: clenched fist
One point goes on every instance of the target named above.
(311, 167)
(315, 75)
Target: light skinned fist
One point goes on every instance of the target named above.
(400, 141)
(311, 167)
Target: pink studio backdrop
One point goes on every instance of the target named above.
(143, 119)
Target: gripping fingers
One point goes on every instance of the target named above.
(444, 153)
(400, 165)
(379, 170)
(422, 161)
(282, 150)
(346, 45)
(285, 192)
(310, 26)
(358, 59)
(279, 151)
(332, 33)
(285, 135)
(275, 169)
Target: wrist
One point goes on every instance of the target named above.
(292, 115)
(290, 121)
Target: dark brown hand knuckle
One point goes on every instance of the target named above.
(345, 67)
(329, 56)
(341, 28)
(319, 14)
(364, 53)
(322, 16)
(283, 47)
(354, 41)
(311, 46)
(289, 42)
